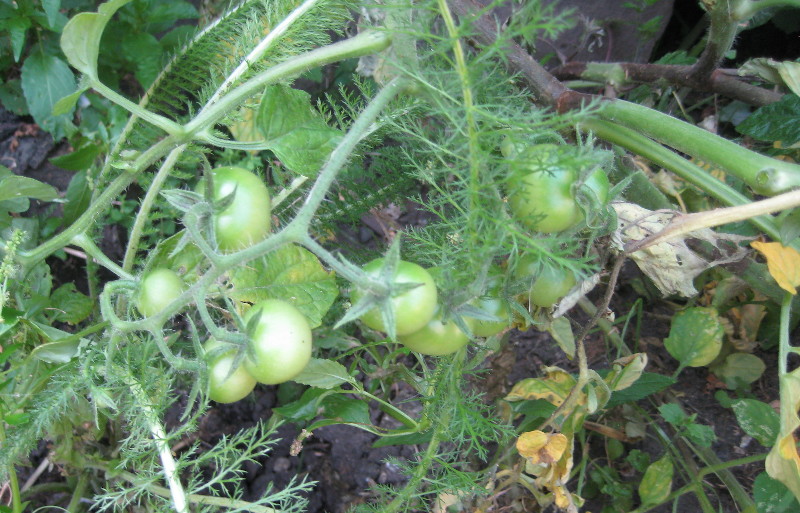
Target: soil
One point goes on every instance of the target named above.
(342, 459)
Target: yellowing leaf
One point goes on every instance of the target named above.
(540, 448)
(554, 388)
(783, 263)
(783, 461)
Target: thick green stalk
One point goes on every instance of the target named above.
(746, 9)
(764, 174)
(668, 159)
(91, 249)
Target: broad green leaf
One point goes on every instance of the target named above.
(294, 131)
(66, 104)
(323, 373)
(758, 420)
(70, 305)
(561, 330)
(78, 197)
(80, 159)
(51, 8)
(740, 369)
(695, 337)
(772, 496)
(17, 419)
(17, 28)
(341, 409)
(626, 371)
(12, 97)
(80, 39)
(790, 227)
(305, 408)
(673, 414)
(60, 350)
(8, 319)
(290, 273)
(700, 434)
(656, 483)
(45, 80)
(779, 121)
(12, 187)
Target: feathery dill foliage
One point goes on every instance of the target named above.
(49, 406)
(453, 145)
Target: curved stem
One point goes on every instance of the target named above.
(764, 174)
(147, 203)
(74, 505)
(363, 44)
(161, 122)
(85, 243)
(658, 154)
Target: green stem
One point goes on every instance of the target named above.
(16, 501)
(785, 347)
(748, 8)
(261, 48)
(85, 243)
(176, 491)
(74, 505)
(165, 124)
(721, 33)
(668, 159)
(365, 43)
(338, 158)
(147, 203)
(764, 174)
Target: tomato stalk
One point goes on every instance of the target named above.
(746, 9)
(765, 175)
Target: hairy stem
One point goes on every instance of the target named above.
(85, 243)
(147, 203)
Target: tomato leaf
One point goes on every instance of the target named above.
(561, 330)
(71, 306)
(758, 420)
(323, 373)
(656, 482)
(779, 121)
(45, 80)
(773, 496)
(295, 132)
(695, 337)
(649, 383)
(290, 273)
(740, 369)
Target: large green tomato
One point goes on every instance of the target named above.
(223, 386)
(247, 219)
(280, 342)
(413, 308)
(437, 338)
(540, 190)
(549, 282)
(157, 290)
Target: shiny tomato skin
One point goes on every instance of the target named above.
(413, 308)
(223, 388)
(247, 219)
(280, 342)
(437, 338)
(540, 191)
(493, 306)
(157, 290)
(549, 282)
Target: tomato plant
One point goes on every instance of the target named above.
(549, 282)
(225, 386)
(247, 219)
(540, 194)
(413, 308)
(492, 305)
(438, 338)
(280, 342)
(157, 290)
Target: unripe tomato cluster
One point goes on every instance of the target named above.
(279, 344)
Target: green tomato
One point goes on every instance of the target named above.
(497, 307)
(437, 338)
(413, 308)
(157, 290)
(540, 191)
(598, 185)
(280, 342)
(549, 283)
(247, 219)
(224, 386)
